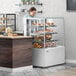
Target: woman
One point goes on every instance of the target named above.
(32, 11)
(31, 14)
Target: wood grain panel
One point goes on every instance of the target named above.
(15, 52)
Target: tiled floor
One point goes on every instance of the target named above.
(68, 72)
(61, 70)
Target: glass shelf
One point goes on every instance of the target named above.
(11, 19)
(42, 33)
(44, 25)
(45, 41)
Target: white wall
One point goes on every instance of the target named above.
(8, 6)
(52, 8)
(70, 27)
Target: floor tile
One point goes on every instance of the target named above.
(61, 70)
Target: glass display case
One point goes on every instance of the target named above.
(2, 23)
(11, 21)
(7, 20)
(48, 40)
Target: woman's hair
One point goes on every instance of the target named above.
(32, 9)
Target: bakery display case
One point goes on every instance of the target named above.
(48, 41)
(11, 21)
(2, 23)
(7, 20)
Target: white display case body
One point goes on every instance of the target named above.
(48, 56)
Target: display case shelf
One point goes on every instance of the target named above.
(45, 41)
(42, 25)
(8, 20)
(51, 40)
(11, 21)
(41, 33)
